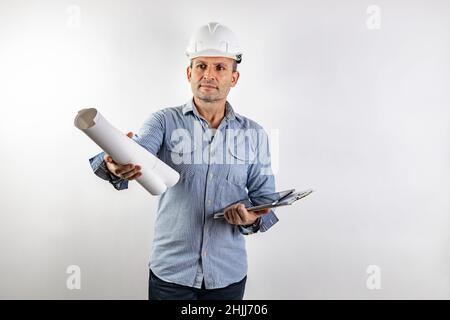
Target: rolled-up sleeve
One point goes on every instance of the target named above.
(98, 165)
(255, 227)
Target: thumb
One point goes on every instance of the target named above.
(262, 211)
(130, 134)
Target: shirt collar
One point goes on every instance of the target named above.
(190, 107)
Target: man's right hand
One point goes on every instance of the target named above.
(126, 171)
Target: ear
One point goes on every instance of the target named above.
(234, 78)
(189, 73)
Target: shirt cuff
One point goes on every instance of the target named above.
(251, 228)
(101, 170)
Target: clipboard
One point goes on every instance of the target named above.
(272, 200)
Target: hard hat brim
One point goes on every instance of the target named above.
(214, 53)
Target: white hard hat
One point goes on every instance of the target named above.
(214, 40)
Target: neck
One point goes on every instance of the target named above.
(213, 112)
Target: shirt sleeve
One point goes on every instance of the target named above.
(250, 229)
(150, 136)
(98, 165)
(261, 181)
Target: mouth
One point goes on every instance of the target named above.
(207, 86)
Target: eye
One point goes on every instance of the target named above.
(219, 67)
(201, 66)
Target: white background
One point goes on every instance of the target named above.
(363, 118)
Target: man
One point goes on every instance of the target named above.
(223, 159)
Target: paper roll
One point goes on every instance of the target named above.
(156, 175)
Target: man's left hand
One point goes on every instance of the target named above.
(239, 215)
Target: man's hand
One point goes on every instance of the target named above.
(126, 171)
(239, 215)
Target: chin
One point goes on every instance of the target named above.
(206, 96)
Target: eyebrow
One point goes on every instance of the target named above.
(200, 61)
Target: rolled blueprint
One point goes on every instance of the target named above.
(156, 175)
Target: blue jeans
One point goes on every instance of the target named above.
(162, 290)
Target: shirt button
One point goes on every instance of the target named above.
(205, 253)
(211, 175)
(209, 201)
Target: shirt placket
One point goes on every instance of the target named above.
(209, 201)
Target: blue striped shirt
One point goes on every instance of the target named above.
(217, 168)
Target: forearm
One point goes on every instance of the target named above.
(100, 169)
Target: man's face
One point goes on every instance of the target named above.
(211, 78)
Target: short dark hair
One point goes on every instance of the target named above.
(235, 63)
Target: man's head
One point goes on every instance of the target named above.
(214, 53)
(212, 78)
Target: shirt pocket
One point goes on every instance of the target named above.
(237, 168)
(234, 186)
(239, 157)
(241, 154)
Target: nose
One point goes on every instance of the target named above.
(208, 74)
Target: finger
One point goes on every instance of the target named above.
(238, 219)
(108, 158)
(130, 134)
(124, 169)
(240, 216)
(227, 216)
(241, 213)
(128, 175)
(232, 216)
(262, 211)
(260, 214)
(135, 176)
(230, 213)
